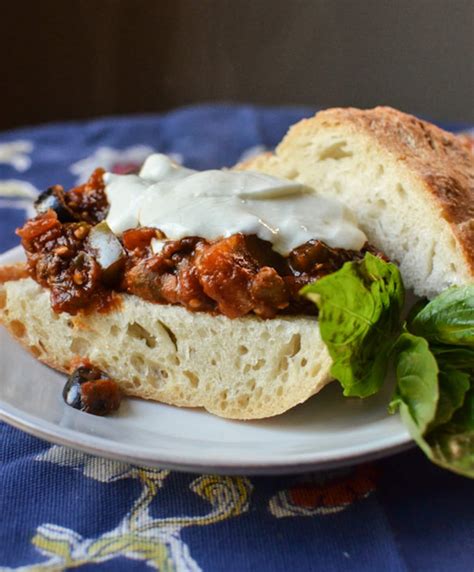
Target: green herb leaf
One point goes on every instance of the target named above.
(417, 389)
(451, 445)
(453, 385)
(435, 382)
(359, 319)
(448, 319)
(460, 357)
(437, 411)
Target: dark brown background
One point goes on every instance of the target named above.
(64, 59)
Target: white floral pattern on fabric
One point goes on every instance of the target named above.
(97, 468)
(139, 535)
(17, 188)
(17, 194)
(119, 161)
(15, 153)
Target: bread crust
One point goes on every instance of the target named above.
(440, 159)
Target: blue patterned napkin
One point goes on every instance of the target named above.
(63, 509)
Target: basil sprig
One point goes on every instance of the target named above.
(446, 328)
(433, 353)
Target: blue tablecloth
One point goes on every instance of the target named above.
(62, 509)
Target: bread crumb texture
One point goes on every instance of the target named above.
(245, 368)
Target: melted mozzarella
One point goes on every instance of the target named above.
(214, 204)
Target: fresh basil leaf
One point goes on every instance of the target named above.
(417, 391)
(459, 357)
(453, 385)
(448, 319)
(451, 445)
(456, 376)
(359, 319)
(436, 400)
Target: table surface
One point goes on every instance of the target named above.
(62, 509)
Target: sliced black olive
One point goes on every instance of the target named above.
(107, 250)
(72, 392)
(72, 389)
(53, 198)
(90, 390)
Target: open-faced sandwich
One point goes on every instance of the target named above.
(184, 285)
(245, 291)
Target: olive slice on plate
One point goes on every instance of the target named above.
(90, 390)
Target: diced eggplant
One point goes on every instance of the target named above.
(107, 250)
(53, 199)
(157, 245)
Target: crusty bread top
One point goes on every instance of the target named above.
(410, 184)
(442, 160)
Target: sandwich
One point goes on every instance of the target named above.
(213, 289)
(183, 286)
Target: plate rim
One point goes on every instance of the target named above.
(101, 446)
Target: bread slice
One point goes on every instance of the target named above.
(245, 368)
(410, 184)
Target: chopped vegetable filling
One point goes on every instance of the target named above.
(72, 251)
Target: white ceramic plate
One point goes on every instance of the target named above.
(325, 432)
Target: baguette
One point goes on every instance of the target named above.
(244, 368)
(410, 184)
